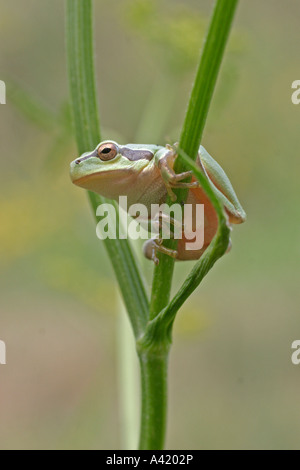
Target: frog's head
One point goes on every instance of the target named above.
(111, 167)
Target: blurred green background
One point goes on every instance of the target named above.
(232, 383)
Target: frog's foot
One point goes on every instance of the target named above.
(172, 179)
(154, 246)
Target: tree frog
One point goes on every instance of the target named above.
(144, 173)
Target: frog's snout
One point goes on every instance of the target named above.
(85, 156)
(79, 160)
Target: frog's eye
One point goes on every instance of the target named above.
(107, 151)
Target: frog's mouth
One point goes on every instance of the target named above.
(105, 182)
(101, 177)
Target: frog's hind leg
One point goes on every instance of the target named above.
(163, 227)
(222, 186)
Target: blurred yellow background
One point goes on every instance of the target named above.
(232, 383)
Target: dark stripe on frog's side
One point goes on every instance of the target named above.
(134, 155)
(92, 154)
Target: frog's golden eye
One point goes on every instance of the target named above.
(107, 151)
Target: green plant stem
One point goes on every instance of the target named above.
(201, 95)
(206, 77)
(87, 131)
(161, 319)
(154, 372)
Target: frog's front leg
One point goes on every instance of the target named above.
(171, 179)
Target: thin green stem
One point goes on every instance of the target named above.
(87, 131)
(206, 77)
(191, 135)
(162, 316)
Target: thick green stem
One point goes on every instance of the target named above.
(80, 55)
(154, 375)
